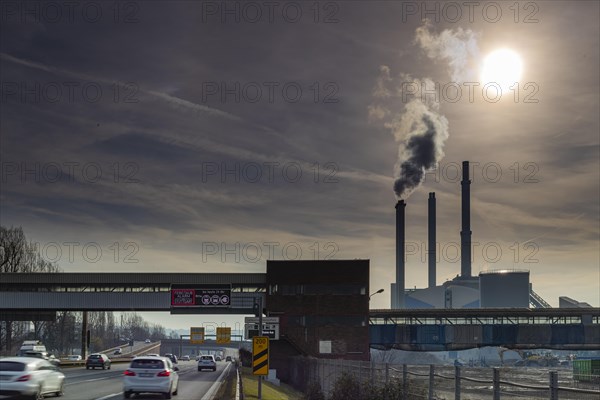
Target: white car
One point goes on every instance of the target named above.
(151, 374)
(207, 362)
(74, 357)
(29, 376)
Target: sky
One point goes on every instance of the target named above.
(180, 136)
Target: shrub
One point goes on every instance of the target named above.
(346, 388)
(245, 357)
(314, 392)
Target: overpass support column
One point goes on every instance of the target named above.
(84, 327)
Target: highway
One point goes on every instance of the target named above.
(82, 384)
(138, 345)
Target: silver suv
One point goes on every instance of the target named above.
(207, 362)
(150, 374)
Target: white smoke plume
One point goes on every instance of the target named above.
(457, 47)
(413, 117)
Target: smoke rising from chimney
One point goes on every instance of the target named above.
(417, 124)
(421, 148)
(457, 47)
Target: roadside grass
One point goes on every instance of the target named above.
(269, 391)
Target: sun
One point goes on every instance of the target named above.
(503, 67)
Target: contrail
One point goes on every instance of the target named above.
(164, 96)
(195, 140)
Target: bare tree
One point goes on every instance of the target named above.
(18, 255)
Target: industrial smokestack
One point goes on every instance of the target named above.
(400, 205)
(431, 251)
(465, 233)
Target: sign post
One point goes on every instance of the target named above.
(253, 353)
(197, 335)
(223, 335)
(270, 327)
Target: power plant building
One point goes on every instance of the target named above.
(498, 288)
(504, 288)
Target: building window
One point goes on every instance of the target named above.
(291, 290)
(324, 289)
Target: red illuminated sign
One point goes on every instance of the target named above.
(183, 297)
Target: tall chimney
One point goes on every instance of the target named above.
(465, 233)
(431, 251)
(400, 253)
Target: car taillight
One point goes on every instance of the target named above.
(164, 373)
(129, 373)
(24, 378)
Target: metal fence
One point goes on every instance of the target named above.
(445, 382)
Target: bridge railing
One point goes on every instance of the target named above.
(446, 382)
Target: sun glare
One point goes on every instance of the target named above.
(503, 67)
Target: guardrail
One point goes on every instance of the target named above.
(239, 387)
(81, 363)
(122, 358)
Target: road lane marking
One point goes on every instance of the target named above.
(213, 389)
(89, 380)
(109, 372)
(108, 396)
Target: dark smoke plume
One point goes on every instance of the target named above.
(417, 124)
(418, 127)
(422, 157)
(421, 132)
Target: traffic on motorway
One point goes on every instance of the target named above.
(148, 376)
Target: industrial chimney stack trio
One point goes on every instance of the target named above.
(398, 300)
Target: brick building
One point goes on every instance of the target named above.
(323, 309)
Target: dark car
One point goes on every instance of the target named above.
(172, 357)
(228, 359)
(97, 360)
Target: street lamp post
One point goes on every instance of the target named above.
(377, 292)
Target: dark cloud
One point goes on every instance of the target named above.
(174, 129)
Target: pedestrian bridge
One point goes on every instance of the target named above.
(39, 295)
(458, 329)
(42, 294)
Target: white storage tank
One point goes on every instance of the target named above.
(504, 288)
